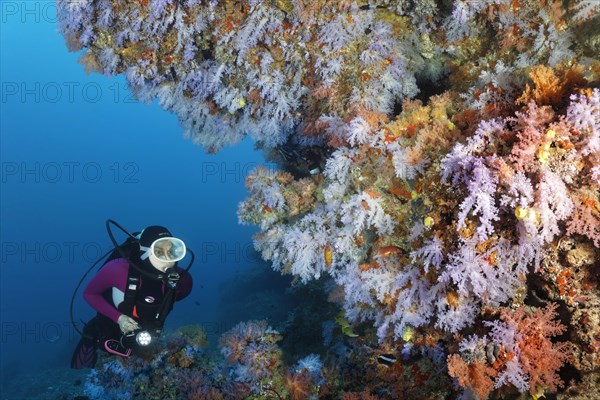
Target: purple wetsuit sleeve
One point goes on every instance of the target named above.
(184, 288)
(113, 274)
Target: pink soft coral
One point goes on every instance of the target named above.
(585, 220)
(531, 128)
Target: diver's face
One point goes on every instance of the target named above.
(163, 250)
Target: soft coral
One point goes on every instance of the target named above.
(539, 357)
(477, 375)
(299, 385)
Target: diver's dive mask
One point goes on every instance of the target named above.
(163, 253)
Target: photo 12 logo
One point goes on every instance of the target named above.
(228, 253)
(37, 11)
(21, 252)
(64, 92)
(69, 172)
(28, 332)
(235, 172)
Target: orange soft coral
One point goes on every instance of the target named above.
(476, 375)
(552, 86)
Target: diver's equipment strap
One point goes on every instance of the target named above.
(172, 279)
(166, 306)
(146, 253)
(131, 294)
(133, 283)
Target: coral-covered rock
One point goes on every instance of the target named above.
(437, 217)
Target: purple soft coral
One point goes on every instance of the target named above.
(482, 188)
(584, 114)
(251, 349)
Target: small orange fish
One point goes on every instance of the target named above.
(387, 251)
(401, 193)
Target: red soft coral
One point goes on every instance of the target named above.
(540, 358)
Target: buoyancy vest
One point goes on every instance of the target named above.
(147, 300)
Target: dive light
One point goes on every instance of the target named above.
(140, 338)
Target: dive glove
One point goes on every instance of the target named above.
(127, 324)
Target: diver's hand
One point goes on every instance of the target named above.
(127, 324)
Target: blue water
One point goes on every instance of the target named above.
(76, 149)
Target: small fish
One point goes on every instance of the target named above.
(347, 330)
(345, 325)
(386, 360)
(288, 153)
(387, 251)
(197, 303)
(342, 321)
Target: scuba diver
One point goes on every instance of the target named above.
(133, 292)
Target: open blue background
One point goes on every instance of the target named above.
(76, 149)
